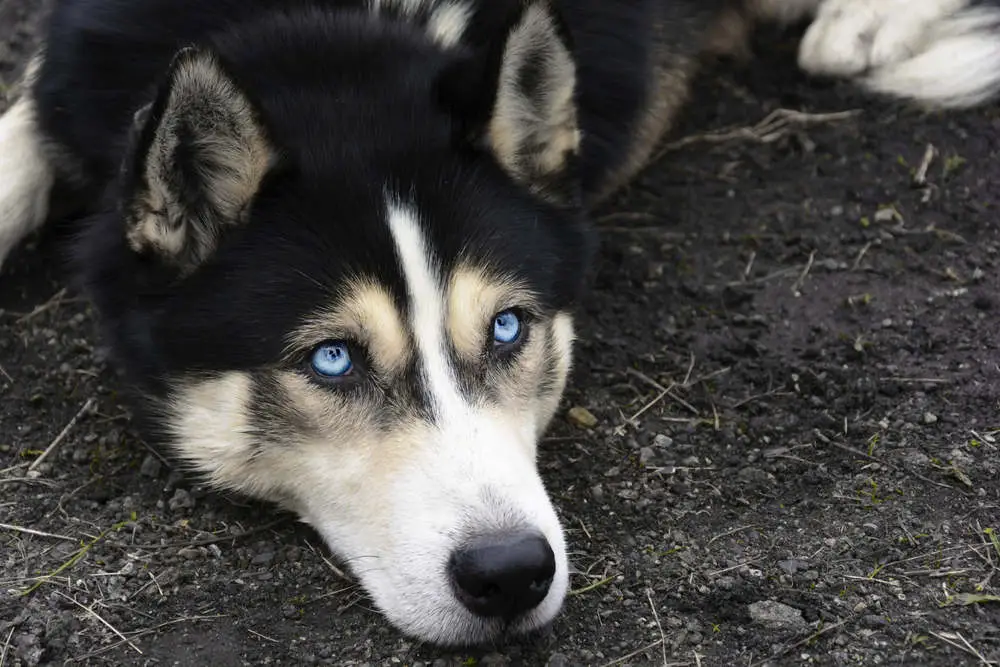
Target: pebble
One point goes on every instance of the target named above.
(776, 615)
(646, 455)
(150, 466)
(180, 500)
(263, 558)
(792, 565)
(930, 418)
(582, 417)
(662, 440)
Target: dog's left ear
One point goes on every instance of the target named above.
(518, 95)
(198, 157)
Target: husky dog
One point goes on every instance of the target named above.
(336, 245)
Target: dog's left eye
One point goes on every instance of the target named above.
(506, 327)
(331, 359)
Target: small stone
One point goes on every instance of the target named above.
(180, 500)
(150, 466)
(263, 558)
(662, 440)
(930, 418)
(776, 615)
(874, 621)
(582, 417)
(189, 553)
(597, 491)
(792, 565)
(289, 611)
(646, 455)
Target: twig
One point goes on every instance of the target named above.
(333, 568)
(54, 300)
(6, 645)
(774, 126)
(861, 255)
(965, 646)
(31, 531)
(141, 633)
(730, 532)
(920, 175)
(202, 542)
(805, 272)
(264, 637)
(629, 656)
(99, 618)
(590, 587)
(749, 267)
(786, 650)
(62, 434)
(659, 626)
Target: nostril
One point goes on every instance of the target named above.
(503, 575)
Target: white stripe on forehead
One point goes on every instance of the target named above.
(427, 310)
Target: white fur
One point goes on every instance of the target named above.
(476, 469)
(26, 178)
(939, 52)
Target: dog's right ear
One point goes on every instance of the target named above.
(199, 154)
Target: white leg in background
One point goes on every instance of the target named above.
(940, 52)
(26, 178)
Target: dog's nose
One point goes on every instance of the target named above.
(503, 575)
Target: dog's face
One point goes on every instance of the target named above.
(351, 291)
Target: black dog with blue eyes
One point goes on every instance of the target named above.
(336, 246)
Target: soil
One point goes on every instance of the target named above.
(793, 358)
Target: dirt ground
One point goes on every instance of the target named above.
(791, 352)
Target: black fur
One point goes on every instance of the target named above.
(353, 104)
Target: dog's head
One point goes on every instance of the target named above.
(344, 261)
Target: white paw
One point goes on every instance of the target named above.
(850, 37)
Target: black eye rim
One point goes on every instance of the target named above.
(358, 371)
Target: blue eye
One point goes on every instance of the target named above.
(332, 359)
(506, 327)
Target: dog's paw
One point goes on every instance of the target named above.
(943, 53)
(851, 37)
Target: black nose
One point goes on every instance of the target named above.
(503, 575)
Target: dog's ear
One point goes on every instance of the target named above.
(517, 95)
(198, 156)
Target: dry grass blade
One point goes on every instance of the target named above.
(102, 620)
(37, 533)
(659, 626)
(920, 175)
(53, 301)
(6, 646)
(774, 126)
(956, 640)
(62, 434)
(639, 651)
(802, 642)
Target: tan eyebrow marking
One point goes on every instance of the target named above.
(475, 295)
(367, 314)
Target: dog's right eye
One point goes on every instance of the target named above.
(331, 360)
